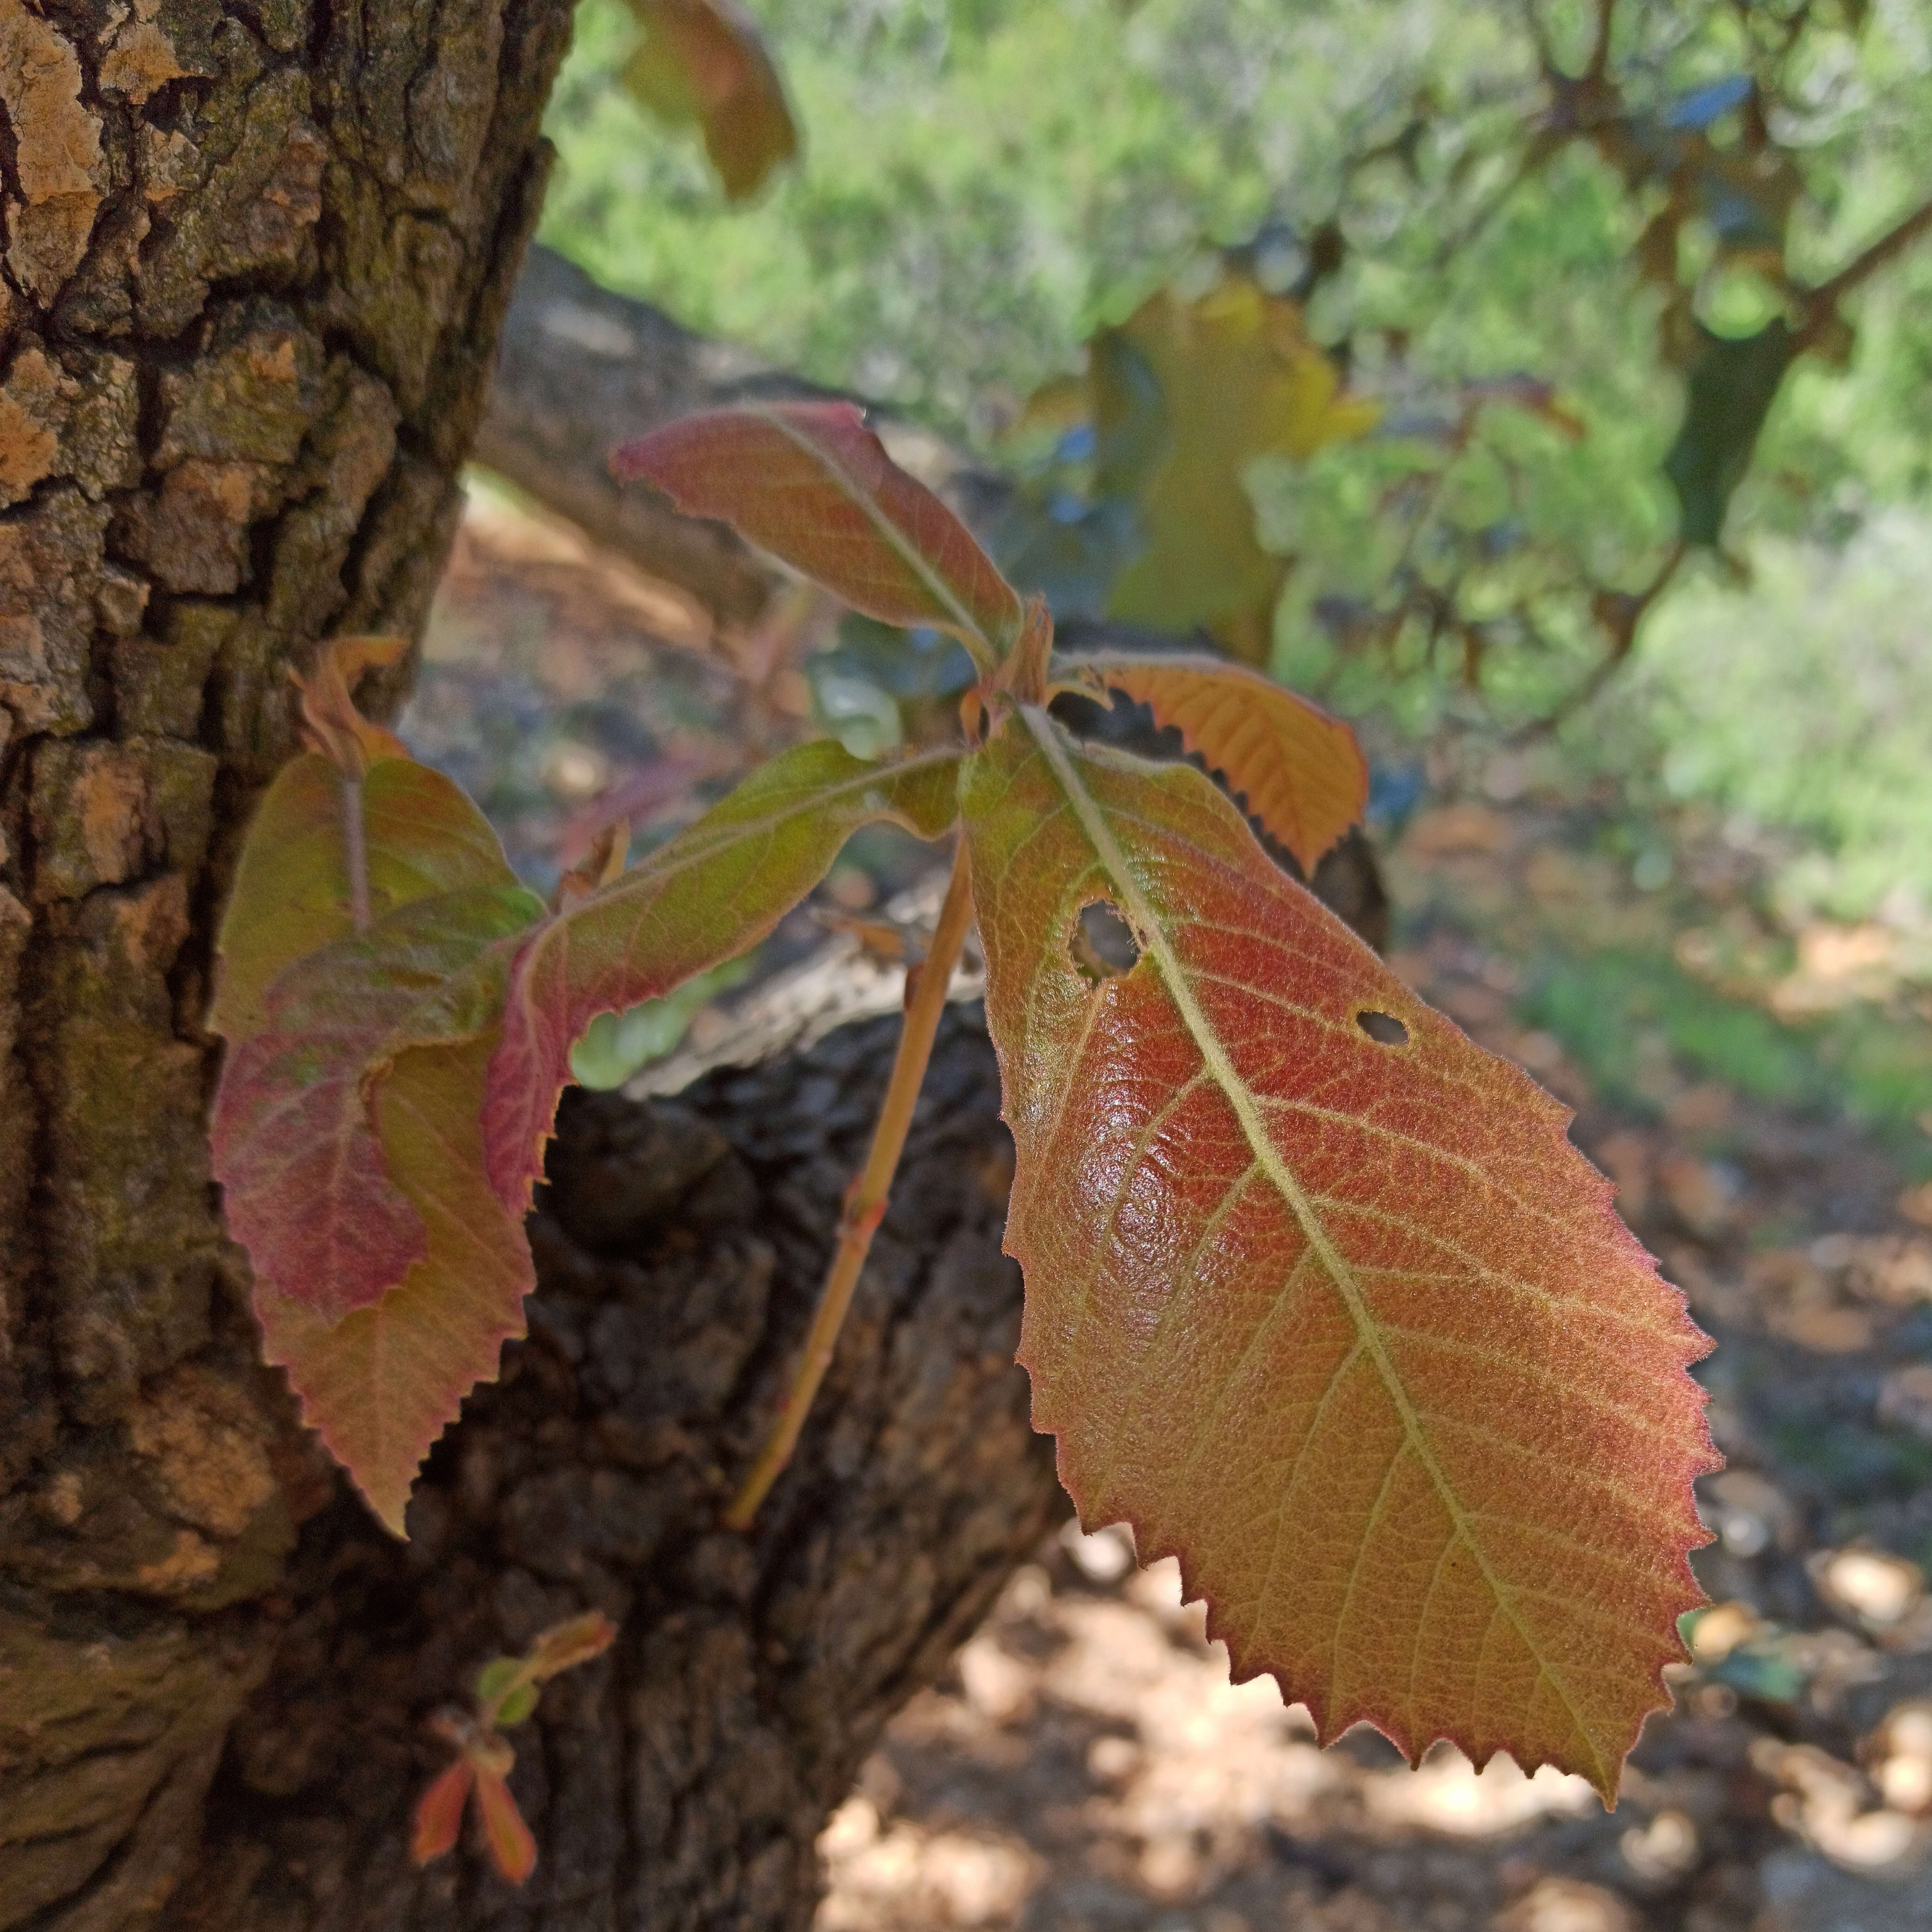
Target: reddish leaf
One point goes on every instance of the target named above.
(305, 1181)
(702, 62)
(565, 1646)
(512, 1850)
(1346, 1326)
(809, 482)
(439, 1818)
(710, 893)
(1297, 770)
(343, 1183)
(381, 1384)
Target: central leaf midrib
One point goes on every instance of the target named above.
(972, 631)
(1214, 1055)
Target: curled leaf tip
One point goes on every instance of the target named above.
(604, 863)
(331, 725)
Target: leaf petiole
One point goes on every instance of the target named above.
(356, 851)
(866, 1202)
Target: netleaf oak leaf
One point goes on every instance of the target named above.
(291, 894)
(809, 482)
(704, 897)
(1295, 770)
(369, 1027)
(1322, 1303)
(305, 1180)
(381, 1384)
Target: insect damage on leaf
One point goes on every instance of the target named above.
(809, 482)
(1341, 1321)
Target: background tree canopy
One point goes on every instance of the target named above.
(1625, 297)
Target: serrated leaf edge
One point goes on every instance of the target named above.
(1221, 1068)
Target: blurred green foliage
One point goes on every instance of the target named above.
(1603, 1006)
(1568, 282)
(1802, 702)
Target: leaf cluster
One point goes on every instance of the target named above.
(1319, 1298)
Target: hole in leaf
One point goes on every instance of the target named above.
(1385, 1029)
(1103, 945)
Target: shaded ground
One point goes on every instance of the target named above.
(1760, 1098)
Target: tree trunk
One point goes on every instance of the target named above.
(255, 254)
(680, 1782)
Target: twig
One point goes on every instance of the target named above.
(865, 1200)
(1621, 645)
(1599, 54)
(1824, 299)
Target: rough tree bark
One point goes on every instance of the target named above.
(680, 1782)
(255, 255)
(255, 260)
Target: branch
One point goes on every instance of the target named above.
(1630, 612)
(1600, 53)
(1824, 299)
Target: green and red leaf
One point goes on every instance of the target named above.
(710, 893)
(810, 483)
(293, 894)
(512, 1850)
(360, 974)
(381, 1384)
(1347, 1326)
(1296, 769)
(305, 1179)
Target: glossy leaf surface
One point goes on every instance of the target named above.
(710, 893)
(1347, 1327)
(1296, 769)
(809, 482)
